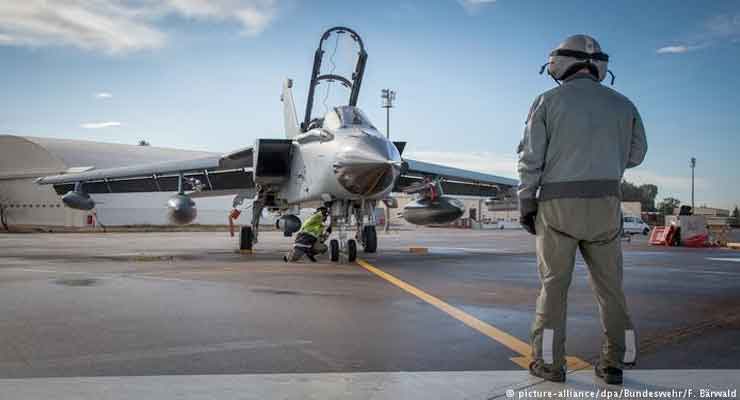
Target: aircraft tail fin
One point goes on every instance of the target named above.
(289, 115)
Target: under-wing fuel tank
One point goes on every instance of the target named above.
(289, 224)
(431, 206)
(426, 211)
(181, 209)
(78, 200)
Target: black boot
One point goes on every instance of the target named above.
(610, 375)
(311, 257)
(546, 372)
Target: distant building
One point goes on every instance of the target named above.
(714, 216)
(633, 208)
(711, 212)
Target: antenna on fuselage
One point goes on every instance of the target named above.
(316, 77)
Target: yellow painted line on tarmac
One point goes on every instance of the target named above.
(511, 342)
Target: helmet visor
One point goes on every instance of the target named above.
(581, 55)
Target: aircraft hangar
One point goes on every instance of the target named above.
(25, 158)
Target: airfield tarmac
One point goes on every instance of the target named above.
(186, 303)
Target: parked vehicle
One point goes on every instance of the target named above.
(632, 225)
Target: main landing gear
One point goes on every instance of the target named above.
(369, 239)
(248, 234)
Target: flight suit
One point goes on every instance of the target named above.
(579, 139)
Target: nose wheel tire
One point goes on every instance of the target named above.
(369, 239)
(351, 250)
(334, 250)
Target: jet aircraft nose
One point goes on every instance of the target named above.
(367, 167)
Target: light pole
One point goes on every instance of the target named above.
(388, 96)
(692, 163)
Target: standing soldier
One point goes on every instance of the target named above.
(579, 139)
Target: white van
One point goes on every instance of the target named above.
(634, 225)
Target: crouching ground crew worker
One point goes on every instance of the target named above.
(579, 139)
(310, 239)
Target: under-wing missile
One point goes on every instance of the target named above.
(289, 224)
(78, 200)
(426, 211)
(431, 206)
(181, 209)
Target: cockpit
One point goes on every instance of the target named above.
(343, 117)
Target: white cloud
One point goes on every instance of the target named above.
(103, 95)
(477, 2)
(87, 24)
(118, 27)
(100, 125)
(253, 20)
(709, 189)
(678, 186)
(253, 15)
(669, 183)
(716, 30)
(673, 49)
(472, 6)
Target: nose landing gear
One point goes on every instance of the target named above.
(349, 248)
(341, 223)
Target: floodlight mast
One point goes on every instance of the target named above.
(388, 96)
(692, 164)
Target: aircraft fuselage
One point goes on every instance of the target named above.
(344, 162)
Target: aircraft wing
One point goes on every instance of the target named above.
(218, 175)
(455, 181)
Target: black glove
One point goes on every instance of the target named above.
(528, 212)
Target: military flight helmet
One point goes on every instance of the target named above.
(575, 53)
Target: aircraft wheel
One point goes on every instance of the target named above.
(351, 250)
(369, 239)
(246, 238)
(334, 250)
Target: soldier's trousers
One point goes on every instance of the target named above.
(593, 226)
(305, 243)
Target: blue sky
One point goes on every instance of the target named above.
(207, 75)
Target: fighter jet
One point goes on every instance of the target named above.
(340, 160)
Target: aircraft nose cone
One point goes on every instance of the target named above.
(366, 169)
(365, 179)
